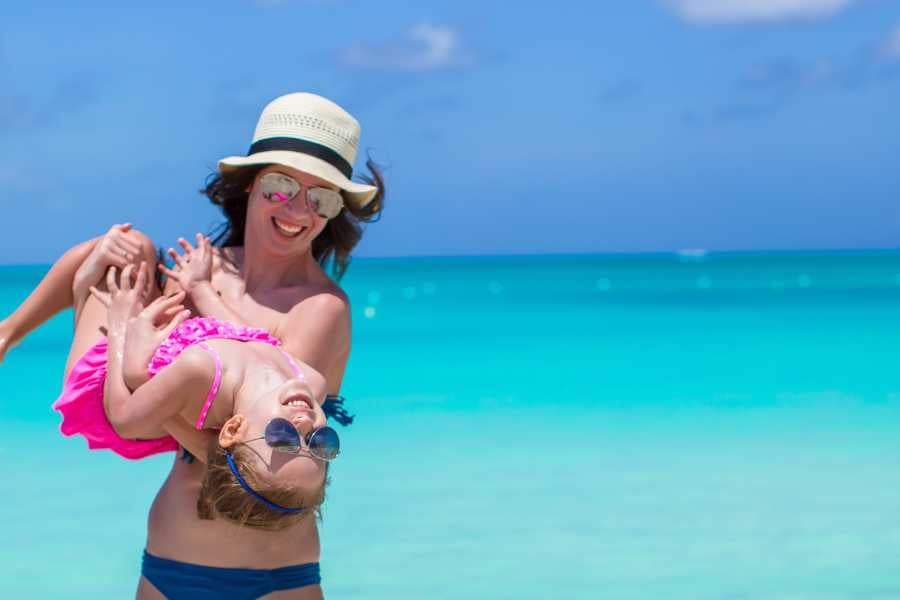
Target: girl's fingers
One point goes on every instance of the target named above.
(179, 260)
(163, 303)
(123, 227)
(103, 297)
(141, 283)
(173, 310)
(125, 278)
(168, 272)
(111, 284)
(175, 322)
(167, 316)
(186, 245)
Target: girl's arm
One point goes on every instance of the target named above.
(193, 274)
(196, 441)
(145, 332)
(207, 301)
(67, 282)
(140, 413)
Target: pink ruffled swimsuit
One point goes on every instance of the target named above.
(81, 401)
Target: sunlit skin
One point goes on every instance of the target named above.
(295, 212)
(272, 282)
(258, 383)
(277, 284)
(300, 471)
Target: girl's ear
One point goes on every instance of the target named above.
(233, 431)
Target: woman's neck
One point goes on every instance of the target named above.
(261, 270)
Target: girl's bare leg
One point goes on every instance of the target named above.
(52, 295)
(67, 282)
(91, 325)
(90, 314)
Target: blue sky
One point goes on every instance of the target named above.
(532, 127)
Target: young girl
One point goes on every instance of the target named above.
(267, 467)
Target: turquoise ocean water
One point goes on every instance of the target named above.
(665, 427)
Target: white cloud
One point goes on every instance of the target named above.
(890, 49)
(424, 47)
(740, 11)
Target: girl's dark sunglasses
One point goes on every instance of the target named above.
(281, 435)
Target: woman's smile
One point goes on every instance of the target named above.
(288, 229)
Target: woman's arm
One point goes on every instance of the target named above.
(317, 331)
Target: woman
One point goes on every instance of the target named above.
(270, 273)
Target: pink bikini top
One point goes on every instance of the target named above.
(195, 332)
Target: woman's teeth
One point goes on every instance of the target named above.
(286, 228)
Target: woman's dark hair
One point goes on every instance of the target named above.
(334, 244)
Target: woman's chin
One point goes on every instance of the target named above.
(283, 247)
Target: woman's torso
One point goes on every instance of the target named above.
(174, 530)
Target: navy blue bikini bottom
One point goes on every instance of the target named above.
(176, 580)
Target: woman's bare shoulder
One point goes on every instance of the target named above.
(317, 329)
(324, 310)
(328, 295)
(228, 258)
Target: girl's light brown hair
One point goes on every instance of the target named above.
(222, 496)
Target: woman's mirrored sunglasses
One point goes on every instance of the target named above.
(278, 187)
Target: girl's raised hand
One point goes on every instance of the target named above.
(194, 267)
(146, 331)
(159, 318)
(123, 298)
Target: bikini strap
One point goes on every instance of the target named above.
(297, 371)
(213, 390)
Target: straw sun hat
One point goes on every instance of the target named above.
(311, 134)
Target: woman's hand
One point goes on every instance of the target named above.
(195, 267)
(115, 249)
(122, 300)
